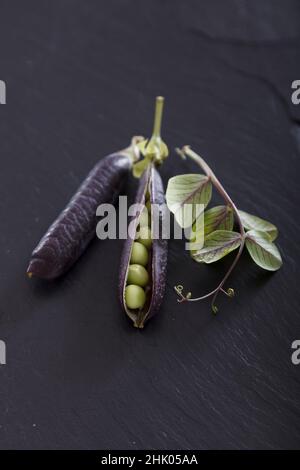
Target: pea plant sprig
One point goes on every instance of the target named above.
(217, 226)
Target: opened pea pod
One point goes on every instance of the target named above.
(144, 259)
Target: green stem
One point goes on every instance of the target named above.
(159, 106)
(154, 149)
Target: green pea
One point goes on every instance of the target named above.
(139, 254)
(138, 275)
(144, 219)
(135, 296)
(145, 237)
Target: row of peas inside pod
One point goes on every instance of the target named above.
(138, 278)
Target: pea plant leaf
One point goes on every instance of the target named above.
(263, 251)
(218, 218)
(252, 222)
(187, 196)
(217, 245)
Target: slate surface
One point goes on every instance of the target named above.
(81, 78)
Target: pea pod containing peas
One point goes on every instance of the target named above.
(144, 259)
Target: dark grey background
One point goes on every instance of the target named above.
(81, 80)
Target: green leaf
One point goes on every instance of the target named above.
(251, 222)
(153, 147)
(140, 167)
(142, 146)
(185, 194)
(263, 251)
(217, 245)
(218, 218)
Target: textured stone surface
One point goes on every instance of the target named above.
(81, 79)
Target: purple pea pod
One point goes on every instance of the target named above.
(151, 193)
(75, 227)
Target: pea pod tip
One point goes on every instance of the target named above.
(38, 268)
